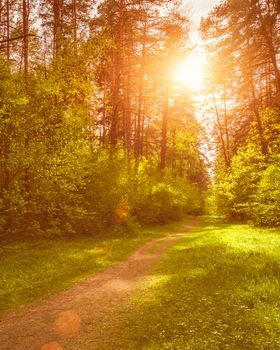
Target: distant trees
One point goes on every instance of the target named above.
(243, 39)
(243, 42)
(5, 13)
(129, 75)
(90, 119)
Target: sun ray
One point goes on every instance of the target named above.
(190, 72)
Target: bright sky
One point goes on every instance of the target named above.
(198, 9)
(190, 71)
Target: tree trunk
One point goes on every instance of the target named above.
(226, 124)
(57, 25)
(164, 127)
(127, 111)
(117, 70)
(8, 28)
(104, 112)
(140, 98)
(115, 100)
(25, 20)
(267, 32)
(221, 132)
(255, 108)
(143, 127)
(74, 19)
(273, 58)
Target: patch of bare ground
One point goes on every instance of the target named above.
(86, 315)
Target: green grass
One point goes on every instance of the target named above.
(30, 270)
(218, 288)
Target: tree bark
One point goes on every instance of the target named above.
(8, 28)
(221, 132)
(104, 112)
(267, 32)
(57, 25)
(140, 98)
(74, 19)
(127, 110)
(255, 108)
(164, 127)
(25, 20)
(226, 123)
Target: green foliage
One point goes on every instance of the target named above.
(44, 156)
(250, 188)
(159, 197)
(159, 205)
(57, 179)
(234, 191)
(106, 192)
(271, 121)
(266, 202)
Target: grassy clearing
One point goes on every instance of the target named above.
(218, 288)
(30, 270)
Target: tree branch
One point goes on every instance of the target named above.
(16, 38)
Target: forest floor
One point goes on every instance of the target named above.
(86, 316)
(211, 285)
(217, 288)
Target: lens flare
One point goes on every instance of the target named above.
(67, 324)
(52, 346)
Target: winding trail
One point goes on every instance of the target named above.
(86, 315)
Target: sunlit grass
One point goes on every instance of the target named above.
(30, 270)
(217, 289)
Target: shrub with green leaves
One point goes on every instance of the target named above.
(168, 199)
(234, 191)
(55, 177)
(250, 187)
(266, 203)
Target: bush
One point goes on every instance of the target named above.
(266, 204)
(234, 191)
(158, 206)
(167, 200)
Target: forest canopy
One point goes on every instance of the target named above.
(243, 43)
(96, 132)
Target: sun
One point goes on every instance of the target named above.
(190, 72)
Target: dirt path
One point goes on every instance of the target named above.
(85, 316)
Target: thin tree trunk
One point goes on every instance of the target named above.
(173, 155)
(226, 124)
(140, 98)
(74, 18)
(8, 28)
(143, 127)
(57, 25)
(147, 135)
(267, 32)
(255, 106)
(115, 100)
(164, 127)
(258, 118)
(127, 111)
(2, 33)
(221, 132)
(25, 15)
(117, 62)
(274, 64)
(104, 112)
